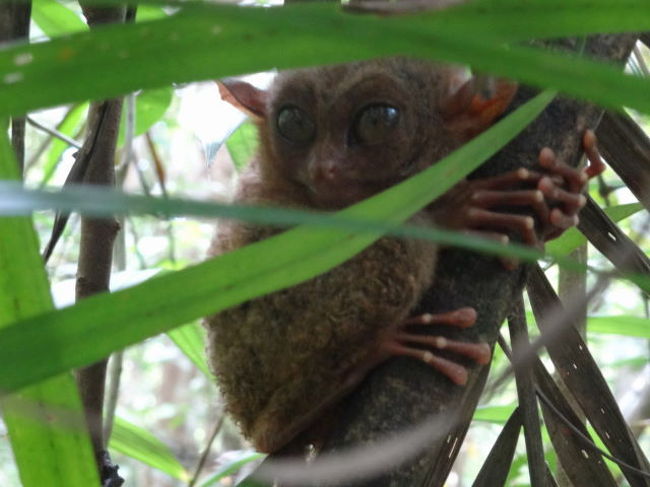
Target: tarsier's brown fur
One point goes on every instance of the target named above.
(282, 358)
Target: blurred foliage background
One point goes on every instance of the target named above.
(177, 141)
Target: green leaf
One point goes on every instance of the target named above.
(251, 482)
(149, 12)
(214, 41)
(45, 421)
(242, 144)
(101, 202)
(136, 442)
(55, 19)
(573, 238)
(232, 467)
(150, 107)
(632, 326)
(191, 340)
(83, 333)
(494, 414)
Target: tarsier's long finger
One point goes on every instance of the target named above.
(524, 225)
(479, 352)
(497, 237)
(530, 198)
(505, 180)
(456, 372)
(462, 318)
(596, 164)
(575, 178)
(572, 201)
(562, 220)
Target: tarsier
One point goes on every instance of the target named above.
(330, 137)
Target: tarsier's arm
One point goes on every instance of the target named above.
(284, 358)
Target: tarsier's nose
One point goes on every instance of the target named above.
(325, 172)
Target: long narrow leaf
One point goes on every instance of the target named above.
(191, 340)
(572, 238)
(94, 327)
(45, 421)
(138, 443)
(207, 43)
(583, 378)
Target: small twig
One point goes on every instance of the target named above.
(206, 452)
(112, 393)
(157, 161)
(54, 133)
(160, 175)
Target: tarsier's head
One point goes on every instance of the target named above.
(345, 132)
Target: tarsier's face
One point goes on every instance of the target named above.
(343, 133)
(347, 132)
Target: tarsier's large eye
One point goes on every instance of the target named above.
(375, 124)
(295, 125)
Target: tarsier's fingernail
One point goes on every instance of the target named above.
(523, 173)
(426, 318)
(485, 354)
(529, 222)
(466, 315)
(547, 156)
(545, 184)
(441, 342)
(539, 196)
(583, 177)
(427, 357)
(582, 200)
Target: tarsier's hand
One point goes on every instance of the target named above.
(553, 191)
(563, 187)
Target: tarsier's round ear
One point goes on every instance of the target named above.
(244, 96)
(474, 106)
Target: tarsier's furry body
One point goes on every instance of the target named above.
(330, 137)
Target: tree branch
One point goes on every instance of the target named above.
(403, 393)
(96, 246)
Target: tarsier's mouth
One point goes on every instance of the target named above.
(335, 195)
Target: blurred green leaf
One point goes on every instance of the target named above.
(242, 144)
(149, 12)
(632, 326)
(191, 340)
(150, 107)
(232, 467)
(138, 443)
(45, 421)
(519, 463)
(209, 42)
(83, 333)
(494, 414)
(55, 19)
